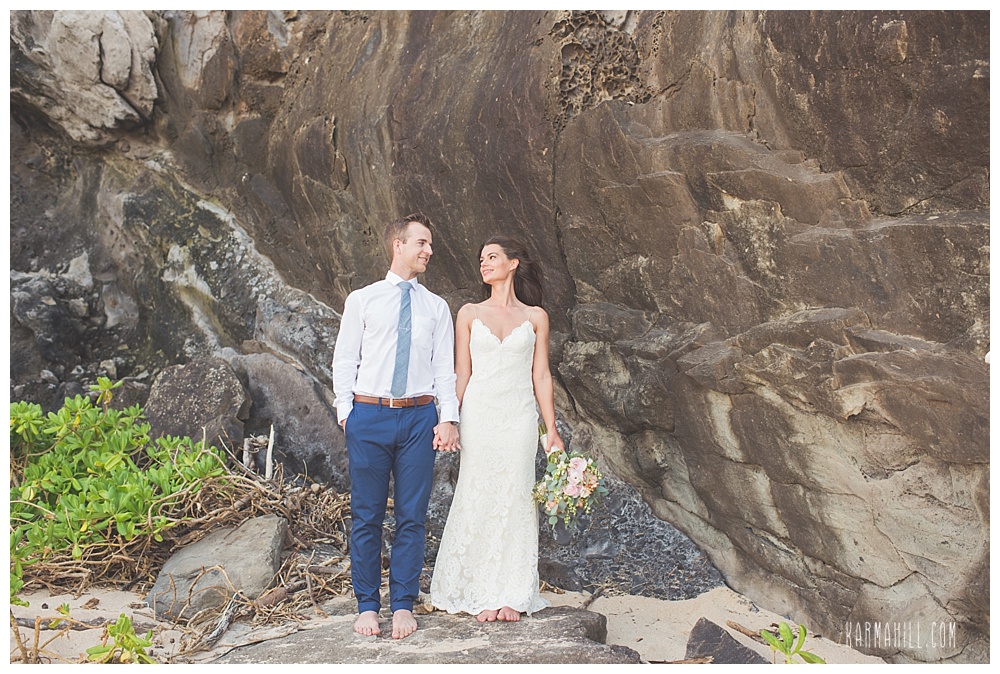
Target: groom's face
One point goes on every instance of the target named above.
(413, 250)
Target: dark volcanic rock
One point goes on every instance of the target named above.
(709, 640)
(620, 545)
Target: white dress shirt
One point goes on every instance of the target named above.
(365, 352)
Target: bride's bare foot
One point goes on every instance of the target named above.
(487, 616)
(508, 614)
(367, 624)
(403, 624)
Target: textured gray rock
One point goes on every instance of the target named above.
(561, 635)
(765, 235)
(203, 400)
(307, 438)
(204, 575)
(91, 72)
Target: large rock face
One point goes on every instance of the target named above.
(765, 236)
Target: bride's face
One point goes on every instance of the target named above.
(494, 265)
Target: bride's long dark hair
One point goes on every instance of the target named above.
(527, 274)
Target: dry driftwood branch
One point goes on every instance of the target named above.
(17, 637)
(743, 630)
(592, 598)
(225, 620)
(268, 467)
(247, 457)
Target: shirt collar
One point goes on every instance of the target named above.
(395, 279)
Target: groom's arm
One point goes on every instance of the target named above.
(347, 357)
(443, 364)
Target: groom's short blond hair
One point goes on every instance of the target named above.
(397, 230)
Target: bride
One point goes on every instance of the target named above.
(487, 564)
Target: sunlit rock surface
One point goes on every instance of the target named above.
(765, 236)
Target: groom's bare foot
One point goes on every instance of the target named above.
(508, 614)
(403, 624)
(487, 616)
(367, 624)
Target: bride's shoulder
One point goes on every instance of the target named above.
(466, 313)
(538, 317)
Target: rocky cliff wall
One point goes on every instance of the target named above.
(765, 234)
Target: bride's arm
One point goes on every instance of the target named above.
(541, 377)
(463, 356)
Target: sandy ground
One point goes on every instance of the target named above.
(96, 606)
(656, 629)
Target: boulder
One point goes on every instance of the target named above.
(92, 72)
(203, 399)
(708, 640)
(307, 438)
(205, 575)
(623, 547)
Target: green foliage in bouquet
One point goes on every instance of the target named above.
(572, 482)
(87, 478)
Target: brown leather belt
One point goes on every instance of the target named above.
(394, 402)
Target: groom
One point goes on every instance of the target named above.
(394, 356)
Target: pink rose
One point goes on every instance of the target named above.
(572, 490)
(574, 478)
(577, 464)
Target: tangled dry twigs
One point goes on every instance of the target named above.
(314, 569)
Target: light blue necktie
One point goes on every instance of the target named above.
(402, 343)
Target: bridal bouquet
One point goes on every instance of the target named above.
(572, 481)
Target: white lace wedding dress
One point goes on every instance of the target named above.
(489, 550)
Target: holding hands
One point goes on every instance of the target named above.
(446, 437)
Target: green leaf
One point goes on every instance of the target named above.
(100, 652)
(786, 636)
(80, 471)
(811, 658)
(802, 639)
(774, 643)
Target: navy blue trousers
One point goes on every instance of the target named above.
(382, 441)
